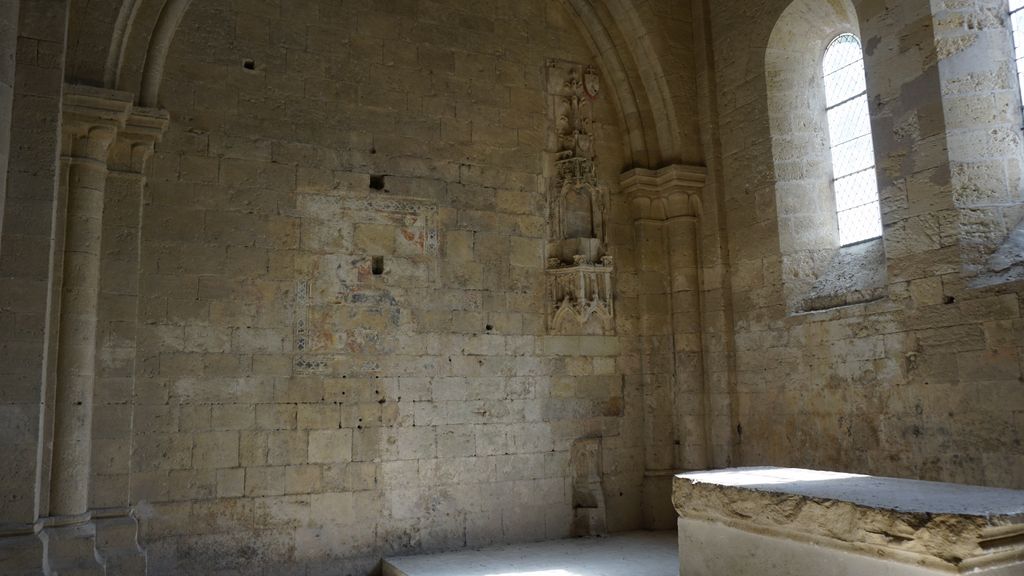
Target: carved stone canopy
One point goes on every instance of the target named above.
(579, 268)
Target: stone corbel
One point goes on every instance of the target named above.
(660, 195)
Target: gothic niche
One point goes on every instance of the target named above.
(579, 271)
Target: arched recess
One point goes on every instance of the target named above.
(122, 44)
(621, 33)
(624, 36)
(667, 77)
(610, 60)
(817, 273)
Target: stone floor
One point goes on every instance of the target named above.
(630, 554)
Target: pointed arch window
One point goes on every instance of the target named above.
(853, 152)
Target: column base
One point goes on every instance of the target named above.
(117, 543)
(21, 555)
(71, 550)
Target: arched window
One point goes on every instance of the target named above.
(1017, 25)
(853, 151)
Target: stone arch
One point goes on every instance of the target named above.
(619, 32)
(621, 36)
(815, 269)
(160, 42)
(664, 91)
(122, 44)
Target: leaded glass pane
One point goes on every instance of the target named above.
(1017, 25)
(844, 83)
(849, 121)
(842, 52)
(853, 154)
(856, 190)
(859, 224)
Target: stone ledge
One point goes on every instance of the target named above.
(947, 527)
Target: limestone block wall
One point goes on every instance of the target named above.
(923, 383)
(982, 108)
(27, 237)
(341, 350)
(8, 57)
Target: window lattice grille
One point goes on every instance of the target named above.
(1017, 25)
(853, 153)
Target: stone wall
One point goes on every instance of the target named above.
(982, 108)
(927, 381)
(8, 57)
(319, 309)
(342, 346)
(27, 251)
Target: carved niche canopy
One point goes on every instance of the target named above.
(580, 296)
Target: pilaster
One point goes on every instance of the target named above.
(94, 120)
(116, 526)
(666, 206)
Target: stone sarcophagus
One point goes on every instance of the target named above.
(579, 270)
(790, 522)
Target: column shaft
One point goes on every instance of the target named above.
(689, 398)
(666, 223)
(76, 355)
(91, 119)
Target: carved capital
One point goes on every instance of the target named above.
(135, 142)
(91, 119)
(670, 192)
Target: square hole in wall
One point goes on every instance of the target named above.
(377, 265)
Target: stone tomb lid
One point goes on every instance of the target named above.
(913, 496)
(949, 527)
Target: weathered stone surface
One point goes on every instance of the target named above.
(875, 386)
(316, 322)
(929, 525)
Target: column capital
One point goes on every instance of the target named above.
(91, 118)
(669, 192)
(134, 145)
(90, 107)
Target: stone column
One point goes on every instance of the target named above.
(666, 215)
(689, 393)
(656, 358)
(91, 120)
(110, 496)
